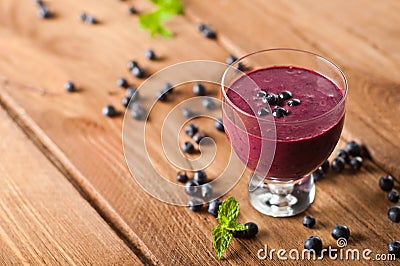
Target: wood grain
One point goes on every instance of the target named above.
(43, 220)
(86, 147)
(360, 36)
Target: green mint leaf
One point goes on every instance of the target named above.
(228, 211)
(175, 6)
(222, 238)
(233, 225)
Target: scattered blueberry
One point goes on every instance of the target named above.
(206, 191)
(279, 112)
(261, 94)
(132, 10)
(353, 148)
(394, 214)
(209, 33)
(325, 166)
(251, 229)
(109, 111)
(199, 89)
(132, 64)
(219, 125)
(394, 248)
(138, 112)
(293, 102)
(192, 188)
(313, 243)
(285, 95)
(198, 137)
(167, 87)
(318, 174)
(209, 103)
(239, 234)
(39, 3)
(393, 195)
(150, 54)
(201, 27)
(240, 66)
(231, 59)
(356, 163)
(340, 231)
(138, 72)
(338, 164)
(386, 183)
(44, 12)
(308, 221)
(188, 112)
(69, 86)
(263, 111)
(187, 147)
(132, 93)
(182, 177)
(83, 16)
(343, 154)
(91, 19)
(125, 101)
(200, 177)
(195, 204)
(191, 130)
(213, 207)
(162, 96)
(122, 82)
(270, 98)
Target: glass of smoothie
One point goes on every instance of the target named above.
(283, 118)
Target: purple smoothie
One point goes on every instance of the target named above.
(294, 145)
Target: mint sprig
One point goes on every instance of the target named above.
(227, 215)
(153, 21)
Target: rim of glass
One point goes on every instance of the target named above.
(290, 50)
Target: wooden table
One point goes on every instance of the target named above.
(66, 195)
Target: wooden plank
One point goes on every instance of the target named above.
(363, 42)
(43, 219)
(87, 146)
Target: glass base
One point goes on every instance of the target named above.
(281, 199)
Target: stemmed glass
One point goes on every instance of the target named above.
(282, 154)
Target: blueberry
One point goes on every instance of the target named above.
(39, 3)
(356, 163)
(318, 174)
(188, 147)
(138, 112)
(325, 166)
(132, 93)
(209, 103)
(132, 10)
(313, 243)
(44, 12)
(394, 214)
(198, 137)
(251, 229)
(270, 98)
(393, 195)
(167, 87)
(240, 66)
(69, 86)
(308, 221)
(353, 148)
(285, 95)
(394, 248)
(239, 234)
(138, 72)
(209, 33)
(199, 89)
(188, 112)
(231, 59)
(91, 19)
(200, 177)
(83, 16)
(261, 94)
(293, 102)
(279, 112)
(122, 82)
(219, 125)
(201, 27)
(191, 130)
(109, 111)
(150, 54)
(340, 231)
(192, 188)
(386, 183)
(263, 111)
(195, 204)
(125, 101)
(338, 164)
(162, 96)
(132, 64)
(182, 177)
(213, 207)
(343, 154)
(206, 191)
